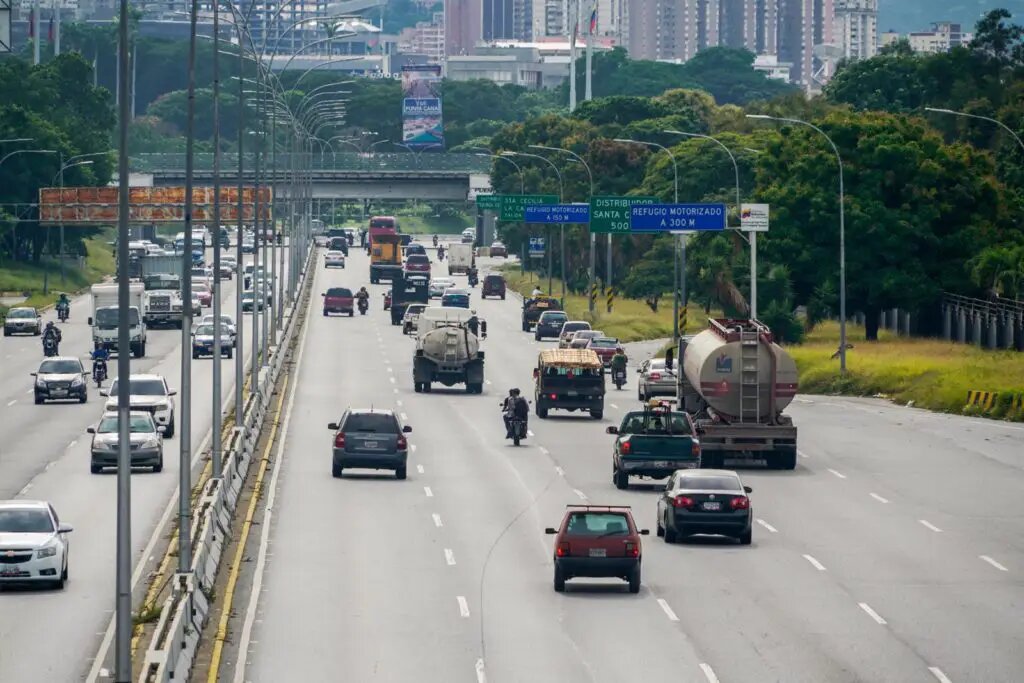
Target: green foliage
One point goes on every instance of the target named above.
(649, 278)
(399, 14)
(729, 76)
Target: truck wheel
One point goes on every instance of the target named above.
(784, 460)
(417, 387)
(597, 413)
(426, 387)
(621, 479)
(710, 460)
(542, 411)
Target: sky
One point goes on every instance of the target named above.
(917, 15)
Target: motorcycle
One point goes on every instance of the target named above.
(99, 372)
(518, 430)
(435, 240)
(440, 253)
(473, 280)
(50, 346)
(363, 305)
(63, 312)
(619, 377)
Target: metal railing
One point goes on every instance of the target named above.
(342, 162)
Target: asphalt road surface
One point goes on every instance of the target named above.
(48, 635)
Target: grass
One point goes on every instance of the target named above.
(17, 276)
(430, 225)
(934, 374)
(630, 319)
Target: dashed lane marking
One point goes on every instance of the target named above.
(814, 563)
(72, 444)
(560, 471)
(989, 560)
(530, 432)
(481, 675)
(872, 613)
(767, 526)
(802, 454)
(579, 493)
(398, 403)
(879, 498)
(929, 525)
(463, 605)
(937, 672)
(405, 418)
(419, 468)
(667, 610)
(709, 673)
(449, 557)
(23, 491)
(392, 381)
(487, 381)
(413, 448)
(614, 407)
(426, 490)
(11, 403)
(437, 520)
(838, 474)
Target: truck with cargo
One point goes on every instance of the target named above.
(653, 442)
(460, 258)
(161, 278)
(385, 258)
(104, 320)
(407, 290)
(735, 383)
(448, 349)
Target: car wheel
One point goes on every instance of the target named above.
(746, 537)
(634, 580)
(325, 314)
(159, 466)
(39, 400)
(400, 473)
(559, 579)
(426, 387)
(7, 333)
(542, 412)
(336, 471)
(536, 337)
(351, 313)
(659, 530)
(670, 533)
(169, 432)
(195, 355)
(596, 414)
(84, 397)
(621, 479)
(417, 387)
(95, 469)
(502, 297)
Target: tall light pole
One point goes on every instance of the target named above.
(842, 229)
(679, 258)
(561, 226)
(753, 235)
(519, 169)
(593, 240)
(63, 167)
(980, 118)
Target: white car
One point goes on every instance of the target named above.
(146, 442)
(149, 393)
(33, 543)
(411, 317)
(438, 285)
(334, 259)
(227, 323)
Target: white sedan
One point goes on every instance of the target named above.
(334, 259)
(438, 285)
(33, 543)
(227, 323)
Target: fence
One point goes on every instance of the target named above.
(344, 162)
(989, 324)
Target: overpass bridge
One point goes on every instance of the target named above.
(347, 175)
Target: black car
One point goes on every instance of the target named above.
(61, 379)
(549, 324)
(535, 307)
(455, 298)
(493, 285)
(372, 439)
(339, 243)
(705, 502)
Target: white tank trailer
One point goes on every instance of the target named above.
(448, 350)
(736, 382)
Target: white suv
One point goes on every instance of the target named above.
(149, 393)
(33, 543)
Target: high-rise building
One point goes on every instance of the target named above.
(463, 26)
(425, 38)
(856, 28)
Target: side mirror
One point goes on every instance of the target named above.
(645, 532)
(549, 530)
(160, 429)
(34, 374)
(612, 430)
(89, 322)
(90, 430)
(406, 429)
(172, 392)
(333, 426)
(65, 529)
(747, 489)
(669, 358)
(323, 293)
(104, 392)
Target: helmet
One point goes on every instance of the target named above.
(514, 392)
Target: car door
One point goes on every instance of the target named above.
(666, 493)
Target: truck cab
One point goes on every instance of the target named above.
(385, 257)
(653, 442)
(406, 291)
(105, 319)
(569, 379)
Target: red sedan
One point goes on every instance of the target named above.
(605, 348)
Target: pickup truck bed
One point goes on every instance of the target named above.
(644, 449)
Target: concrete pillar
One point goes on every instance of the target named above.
(961, 325)
(882, 321)
(894, 320)
(1008, 331)
(905, 323)
(976, 328)
(993, 331)
(947, 323)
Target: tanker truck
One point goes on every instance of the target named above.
(735, 383)
(448, 349)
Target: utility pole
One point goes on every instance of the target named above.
(588, 90)
(216, 442)
(575, 15)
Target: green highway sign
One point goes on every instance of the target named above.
(488, 202)
(611, 214)
(513, 205)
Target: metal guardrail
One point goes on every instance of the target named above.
(175, 641)
(1003, 306)
(342, 162)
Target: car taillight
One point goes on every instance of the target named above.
(682, 502)
(740, 503)
(554, 396)
(562, 549)
(339, 440)
(625, 448)
(632, 550)
(695, 448)
(655, 375)
(402, 443)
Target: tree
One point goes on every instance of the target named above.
(649, 278)
(729, 76)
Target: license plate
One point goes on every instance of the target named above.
(59, 392)
(573, 393)
(661, 464)
(10, 572)
(598, 552)
(370, 444)
(713, 506)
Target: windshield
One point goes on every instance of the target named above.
(553, 319)
(654, 423)
(60, 367)
(162, 283)
(205, 330)
(597, 523)
(142, 387)
(382, 223)
(339, 292)
(137, 424)
(21, 313)
(371, 422)
(573, 327)
(604, 343)
(710, 483)
(25, 521)
(418, 259)
(107, 317)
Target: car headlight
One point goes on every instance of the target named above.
(77, 382)
(152, 442)
(40, 383)
(47, 551)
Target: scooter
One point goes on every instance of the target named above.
(619, 377)
(363, 305)
(50, 346)
(99, 372)
(473, 280)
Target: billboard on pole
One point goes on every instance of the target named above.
(421, 106)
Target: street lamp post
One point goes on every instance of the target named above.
(593, 240)
(964, 114)
(842, 229)
(561, 226)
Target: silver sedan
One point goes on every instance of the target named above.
(655, 379)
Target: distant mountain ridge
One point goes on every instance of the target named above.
(905, 16)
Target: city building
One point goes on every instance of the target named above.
(463, 26)
(426, 38)
(532, 65)
(856, 28)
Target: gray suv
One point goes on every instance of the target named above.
(370, 439)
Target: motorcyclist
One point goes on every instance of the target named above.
(440, 253)
(536, 292)
(618, 363)
(435, 240)
(514, 407)
(363, 297)
(99, 355)
(472, 276)
(51, 332)
(63, 302)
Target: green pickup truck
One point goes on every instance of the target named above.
(654, 443)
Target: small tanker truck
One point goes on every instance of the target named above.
(448, 349)
(735, 383)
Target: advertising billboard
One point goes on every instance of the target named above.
(422, 125)
(99, 205)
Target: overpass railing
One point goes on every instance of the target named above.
(341, 162)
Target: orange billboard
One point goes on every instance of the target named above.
(92, 205)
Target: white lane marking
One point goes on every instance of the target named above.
(667, 610)
(419, 468)
(437, 520)
(72, 444)
(767, 526)
(487, 381)
(530, 433)
(801, 453)
(11, 403)
(390, 369)
(398, 403)
(449, 557)
(481, 675)
(937, 672)
(30, 390)
(614, 407)
(412, 447)
(405, 418)
(426, 490)
(709, 673)
(105, 673)
(560, 471)
(394, 390)
(986, 558)
(579, 493)
(803, 400)
(463, 605)
(838, 474)
(392, 381)
(543, 450)
(879, 498)
(872, 613)
(50, 464)
(814, 563)
(929, 525)
(25, 490)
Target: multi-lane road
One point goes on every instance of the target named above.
(893, 552)
(44, 454)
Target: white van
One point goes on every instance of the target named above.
(202, 234)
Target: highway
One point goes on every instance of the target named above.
(50, 635)
(892, 553)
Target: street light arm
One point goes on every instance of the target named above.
(666, 150)
(519, 169)
(980, 118)
(554, 167)
(728, 151)
(575, 156)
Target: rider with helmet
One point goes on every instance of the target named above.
(514, 407)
